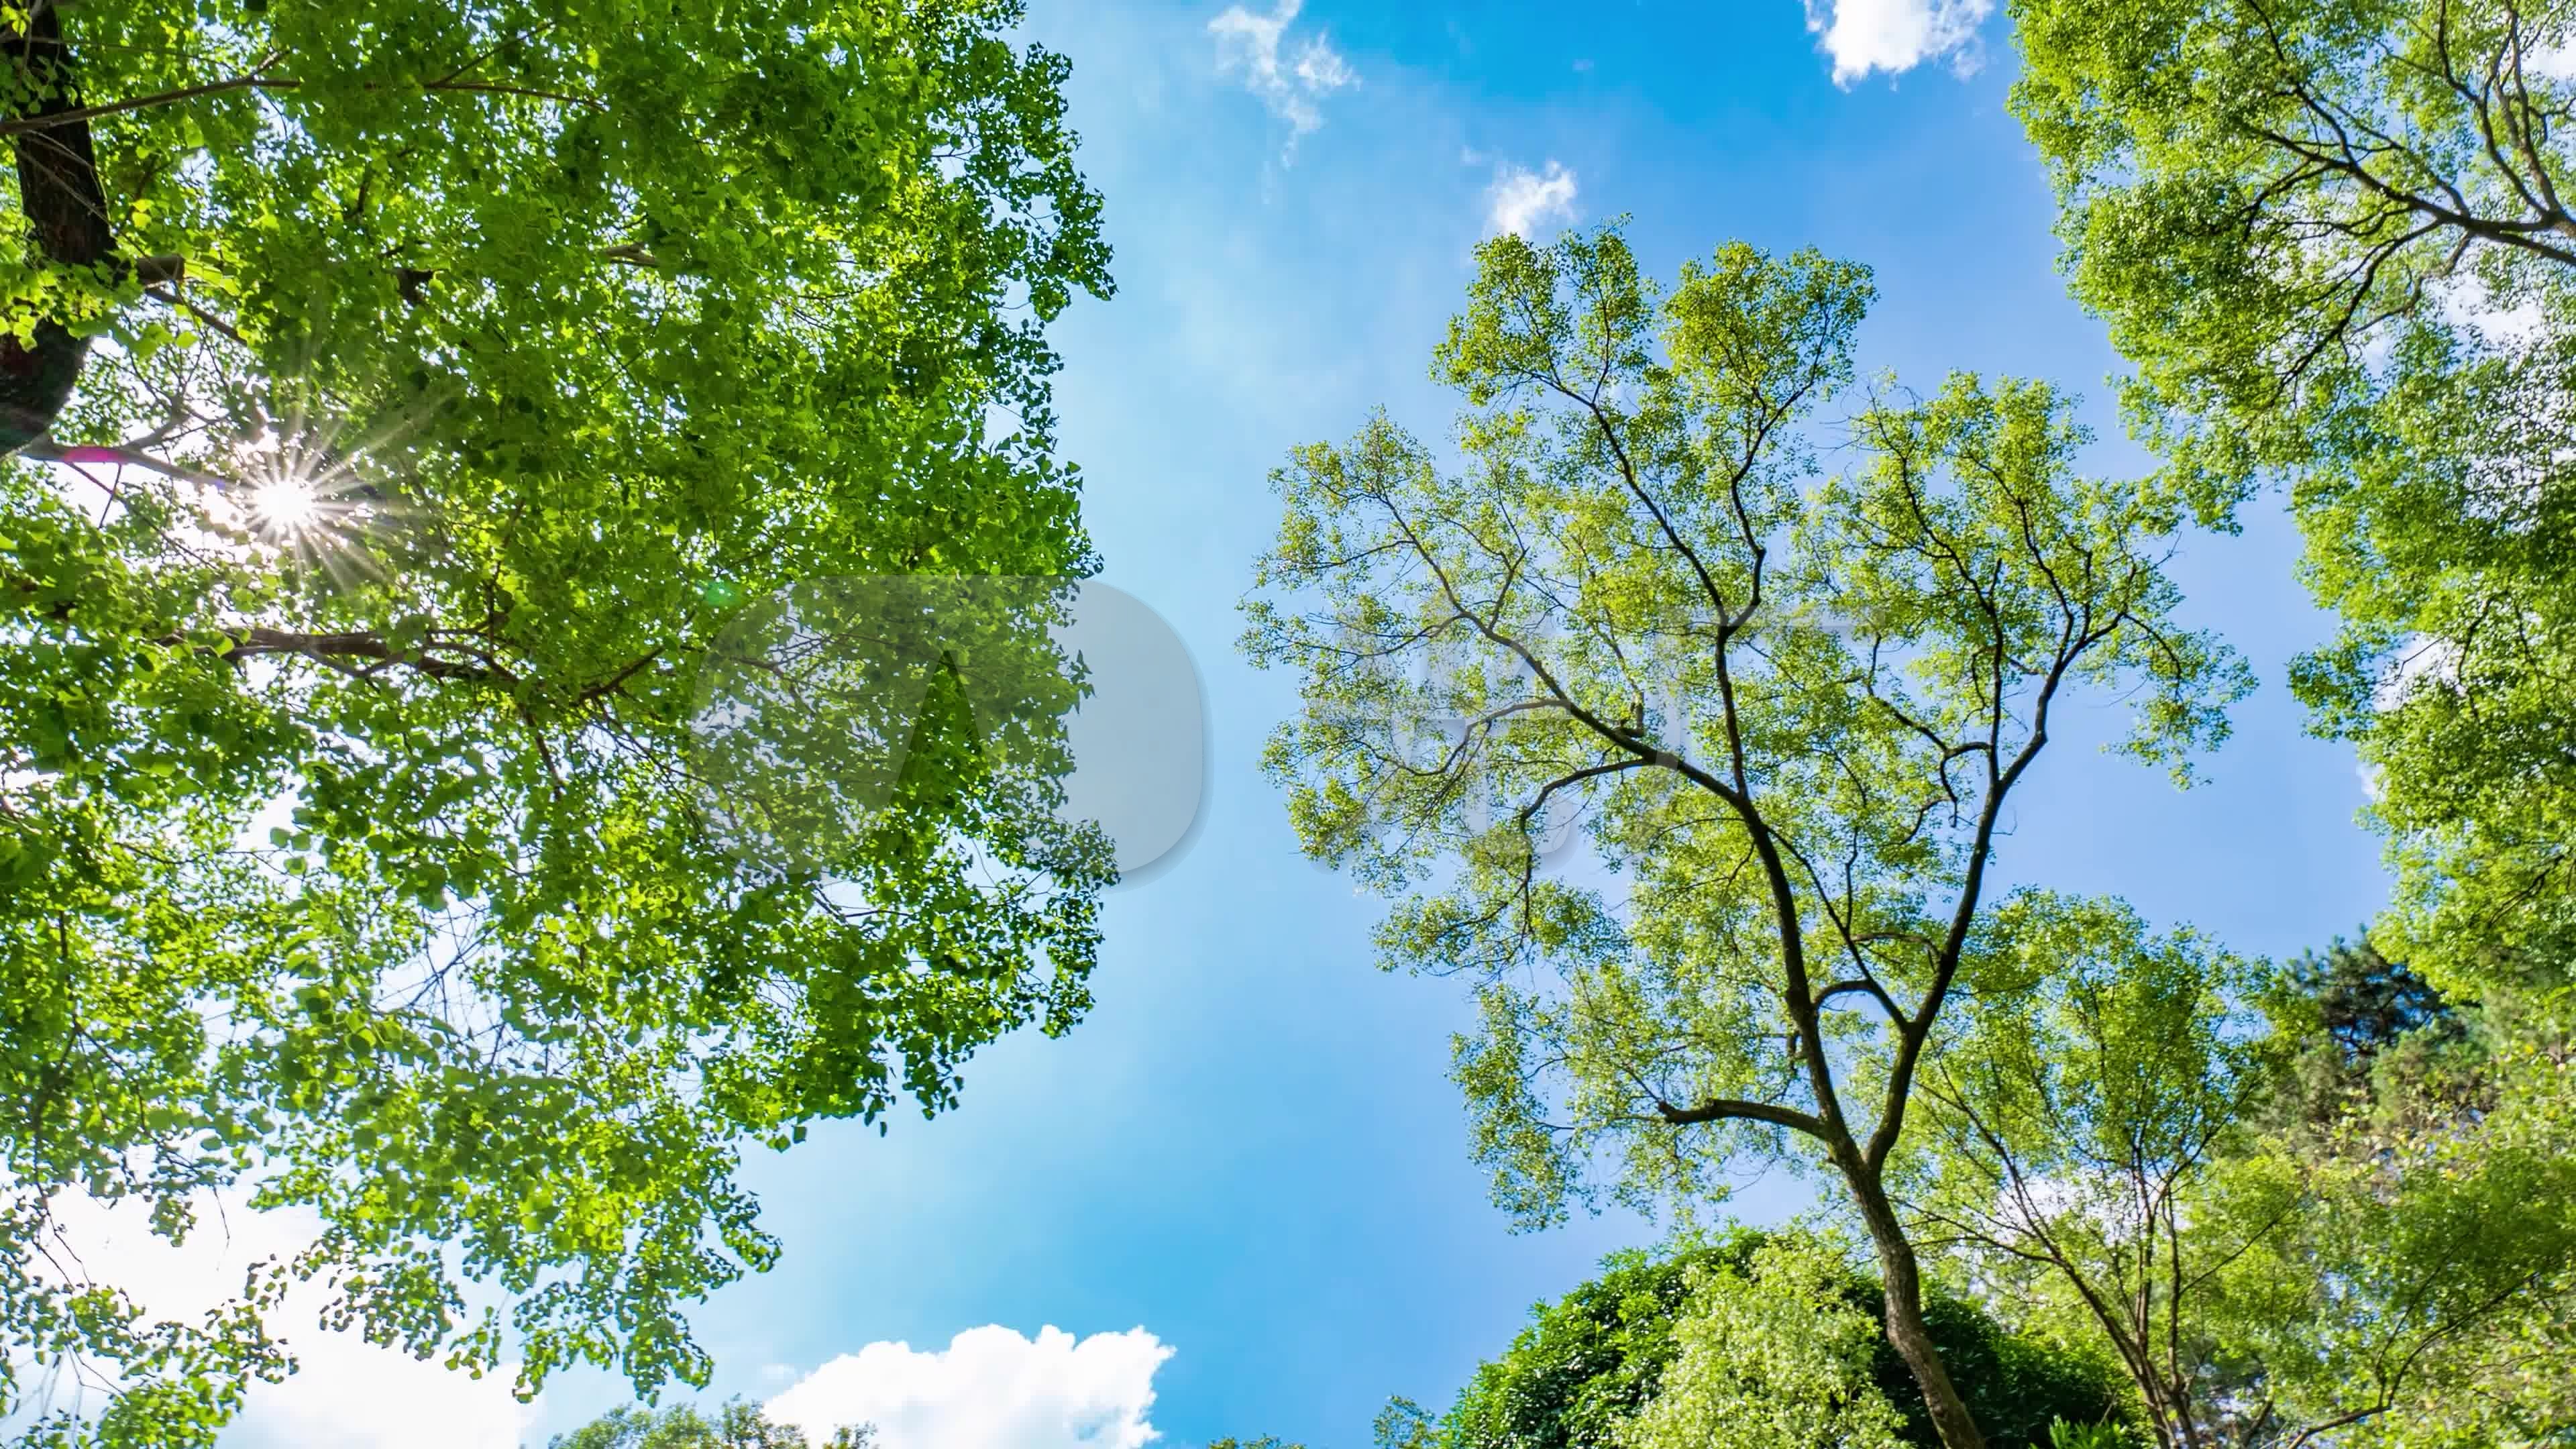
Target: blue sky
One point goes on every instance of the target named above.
(1248, 1162)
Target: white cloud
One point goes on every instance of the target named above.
(1521, 200)
(1897, 35)
(989, 1389)
(2422, 660)
(1289, 81)
(346, 1391)
(2465, 302)
(2553, 60)
(349, 1393)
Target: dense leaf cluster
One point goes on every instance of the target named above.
(1594, 1359)
(2333, 237)
(353, 855)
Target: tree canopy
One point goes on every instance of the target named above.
(2244, 1210)
(530, 542)
(426, 387)
(2331, 236)
(1784, 712)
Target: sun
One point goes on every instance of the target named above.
(286, 506)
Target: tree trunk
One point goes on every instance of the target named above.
(58, 190)
(1903, 1281)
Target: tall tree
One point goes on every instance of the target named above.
(1785, 719)
(2333, 235)
(423, 387)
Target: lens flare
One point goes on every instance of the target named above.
(296, 491)
(286, 506)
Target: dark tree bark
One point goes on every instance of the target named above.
(58, 190)
(1907, 1332)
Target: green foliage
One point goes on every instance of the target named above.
(2063, 1435)
(1404, 1424)
(2330, 234)
(2369, 1040)
(1591, 1360)
(2113, 1151)
(2082, 1099)
(2367, 1002)
(350, 852)
(2423, 1276)
(1770, 1356)
(1781, 713)
(1597, 1358)
(1589, 649)
(736, 1425)
(2440, 529)
(2016, 1383)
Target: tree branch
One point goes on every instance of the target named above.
(1732, 1109)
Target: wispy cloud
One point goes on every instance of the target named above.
(1290, 77)
(1897, 35)
(989, 1389)
(1521, 200)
